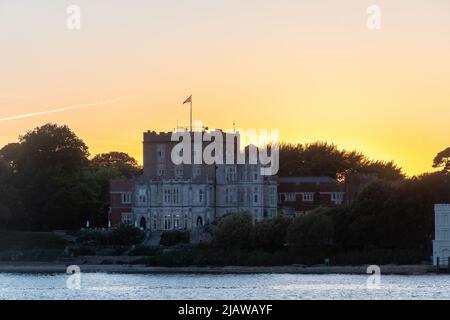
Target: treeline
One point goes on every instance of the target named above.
(389, 222)
(48, 181)
(324, 159)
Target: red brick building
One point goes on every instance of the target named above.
(120, 200)
(299, 195)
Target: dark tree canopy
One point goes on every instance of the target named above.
(121, 161)
(48, 178)
(324, 159)
(47, 181)
(49, 146)
(442, 160)
(11, 154)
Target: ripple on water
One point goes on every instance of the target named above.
(228, 286)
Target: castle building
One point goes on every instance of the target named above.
(441, 244)
(172, 196)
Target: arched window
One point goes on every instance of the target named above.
(143, 223)
(167, 222)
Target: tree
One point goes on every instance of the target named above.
(233, 231)
(319, 158)
(442, 160)
(365, 214)
(48, 166)
(11, 209)
(270, 234)
(11, 154)
(323, 159)
(312, 233)
(52, 146)
(385, 170)
(125, 164)
(5, 216)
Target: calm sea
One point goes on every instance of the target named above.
(252, 286)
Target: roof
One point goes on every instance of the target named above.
(121, 185)
(300, 180)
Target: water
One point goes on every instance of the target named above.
(192, 286)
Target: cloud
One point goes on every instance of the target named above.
(79, 106)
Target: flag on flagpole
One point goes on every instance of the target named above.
(188, 100)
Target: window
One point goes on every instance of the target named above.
(272, 196)
(273, 213)
(255, 195)
(155, 222)
(142, 196)
(177, 222)
(255, 176)
(308, 197)
(171, 195)
(200, 195)
(176, 198)
(161, 153)
(230, 174)
(335, 196)
(196, 171)
(126, 218)
(179, 171)
(126, 198)
(161, 172)
(167, 222)
(230, 195)
(167, 195)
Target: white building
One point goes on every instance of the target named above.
(441, 244)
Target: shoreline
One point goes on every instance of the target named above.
(143, 269)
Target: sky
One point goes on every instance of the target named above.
(311, 69)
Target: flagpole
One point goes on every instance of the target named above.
(191, 114)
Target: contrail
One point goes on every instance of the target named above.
(79, 106)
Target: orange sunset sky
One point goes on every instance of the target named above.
(311, 69)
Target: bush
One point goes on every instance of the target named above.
(233, 231)
(171, 238)
(83, 251)
(218, 257)
(142, 250)
(311, 233)
(126, 235)
(270, 234)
